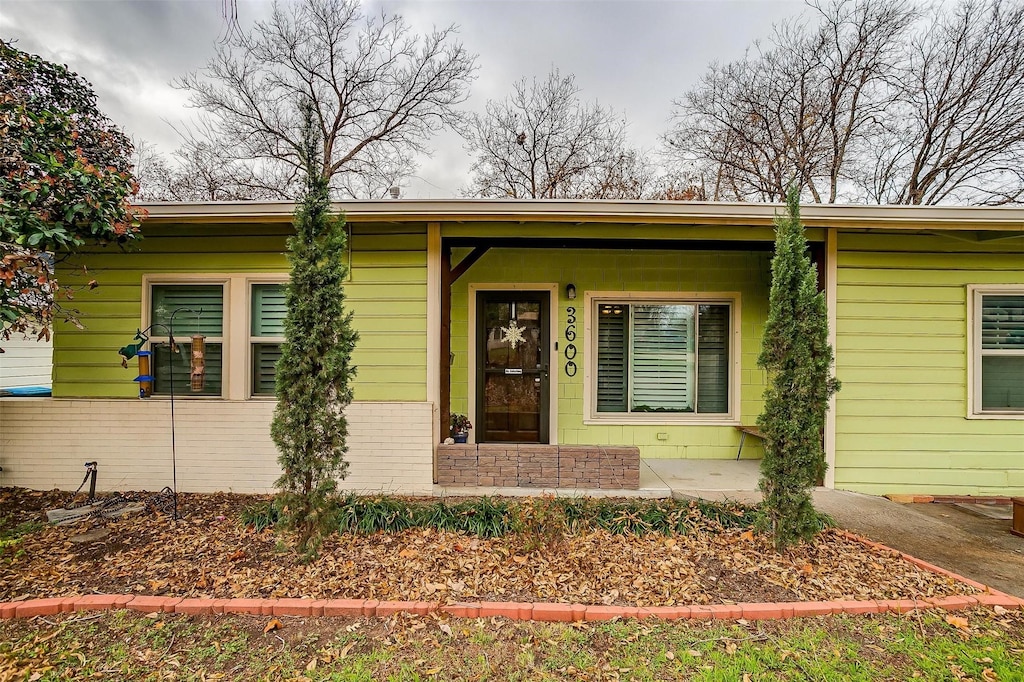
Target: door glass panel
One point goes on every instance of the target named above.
(513, 335)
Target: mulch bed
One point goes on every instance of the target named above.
(210, 554)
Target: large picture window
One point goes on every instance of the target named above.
(196, 309)
(663, 357)
(999, 351)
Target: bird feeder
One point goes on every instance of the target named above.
(145, 378)
(197, 372)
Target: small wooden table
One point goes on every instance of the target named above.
(744, 432)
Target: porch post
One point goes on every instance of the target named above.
(831, 296)
(434, 333)
(445, 363)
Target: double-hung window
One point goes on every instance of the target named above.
(998, 343)
(241, 317)
(266, 334)
(192, 309)
(663, 357)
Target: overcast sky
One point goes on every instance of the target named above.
(632, 55)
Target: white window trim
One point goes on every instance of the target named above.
(590, 414)
(974, 351)
(236, 346)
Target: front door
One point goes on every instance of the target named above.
(512, 367)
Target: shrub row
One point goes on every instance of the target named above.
(545, 519)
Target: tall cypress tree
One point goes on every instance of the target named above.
(798, 358)
(315, 372)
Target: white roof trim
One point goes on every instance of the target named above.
(636, 212)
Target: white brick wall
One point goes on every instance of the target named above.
(222, 445)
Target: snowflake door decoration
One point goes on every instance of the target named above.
(512, 334)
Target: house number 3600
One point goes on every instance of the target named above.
(570, 336)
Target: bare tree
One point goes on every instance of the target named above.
(866, 101)
(379, 92)
(195, 172)
(543, 142)
(957, 129)
(797, 108)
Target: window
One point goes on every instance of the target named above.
(266, 334)
(998, 350)
(663, 356)
(195, 309)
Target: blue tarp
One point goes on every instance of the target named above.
(26, 391)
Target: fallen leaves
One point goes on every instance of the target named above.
(200, 556)
(272, 624)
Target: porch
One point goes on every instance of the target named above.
(703, 478)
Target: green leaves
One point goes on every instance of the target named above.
(798, 358)
(315, 373)
(65, 177)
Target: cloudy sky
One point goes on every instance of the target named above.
(632, 55)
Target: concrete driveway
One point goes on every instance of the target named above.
(950, 536)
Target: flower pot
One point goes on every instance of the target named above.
(461, 437)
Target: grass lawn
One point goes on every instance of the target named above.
(984, 646)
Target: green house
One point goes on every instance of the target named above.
(577, 336)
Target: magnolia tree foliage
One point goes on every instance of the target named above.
(315, 372)
(65, 181)
(798, 358)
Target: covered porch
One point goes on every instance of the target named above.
(567, 352)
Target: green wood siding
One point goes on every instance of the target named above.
(386, 292)
(901, 351)
(598, 270)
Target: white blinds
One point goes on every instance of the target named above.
(662, 367)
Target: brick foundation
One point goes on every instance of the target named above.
(508, 465)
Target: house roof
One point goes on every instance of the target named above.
(988, 218)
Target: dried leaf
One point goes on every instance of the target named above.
(347, 648)
(958, 622)
(730, 648)
(274, 624)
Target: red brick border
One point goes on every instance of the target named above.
(555, 612)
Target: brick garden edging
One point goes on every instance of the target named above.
(539, 611)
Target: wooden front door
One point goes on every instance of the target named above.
(512, 366)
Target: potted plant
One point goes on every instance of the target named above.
(460, 427)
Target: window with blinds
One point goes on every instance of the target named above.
(189, 309)
(266, 334)
(663, 357)
(1002, 352)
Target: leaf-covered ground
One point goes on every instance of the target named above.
(978, 645)
(210, 554)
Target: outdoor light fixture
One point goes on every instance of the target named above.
(570, 291)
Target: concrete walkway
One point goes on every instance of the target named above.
(951, 536)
